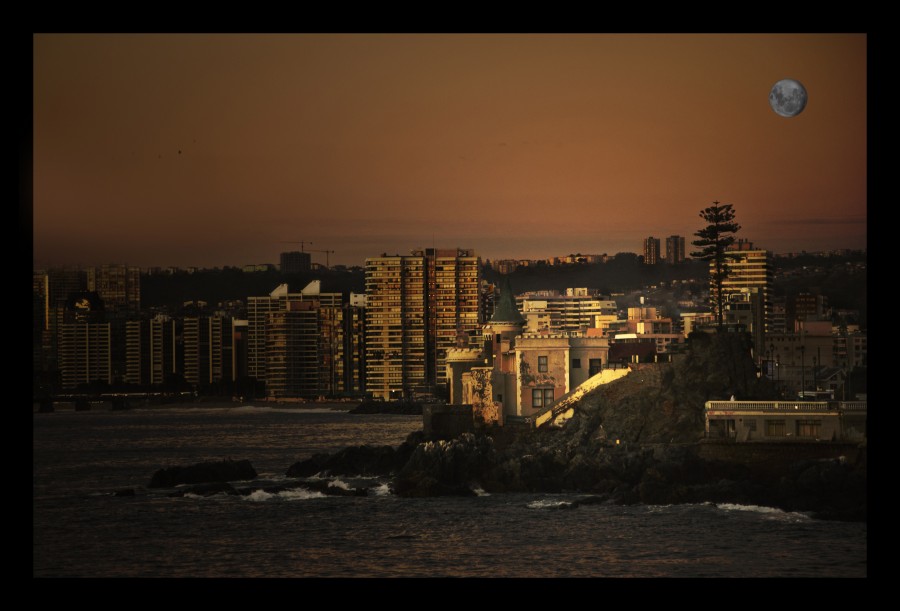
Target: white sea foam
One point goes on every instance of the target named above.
(772, 512)
(259, 496)
(338, 483)
(297, 494)
(548, 504)
(300, 494)
(382, 490)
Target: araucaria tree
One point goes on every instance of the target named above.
(713, 242)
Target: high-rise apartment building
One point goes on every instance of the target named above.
(573, 311)
(85, 350)
(674, 249)
(292, 351)
(119, 286)
(151, 348)
(295, 262)
(51, 290)
(651, 251)
(750, 280)
(326, 322)
(353, 365)
(207, 344)
(418, 307)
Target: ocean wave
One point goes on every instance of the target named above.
(772, 512)
(297, 494)
(339, 483)
(382, 490)
(548, 504)
(300, 494)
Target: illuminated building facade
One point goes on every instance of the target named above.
(651, 251)
(419, 306)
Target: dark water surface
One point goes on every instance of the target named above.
(81, 529)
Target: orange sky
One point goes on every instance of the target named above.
(212, 150)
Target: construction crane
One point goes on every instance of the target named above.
(300, 242)
(327, 252)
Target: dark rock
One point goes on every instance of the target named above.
(438, 468)
(359, 460)
(223, 471)
(354, 460)
(125, 492)
(308, 467)
(427, 486)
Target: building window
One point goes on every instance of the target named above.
(808, 428)
(775, 428)
(576, 363)
(595, 366)
(542, 364)
(541, 397)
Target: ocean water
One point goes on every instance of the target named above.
(81, 529)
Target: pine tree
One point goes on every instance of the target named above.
(713, 241)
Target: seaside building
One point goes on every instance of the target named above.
(84, 353)
(50, 291)
(353, 363)
(151, 347)
(292, 351)
(419, 306)
(207, 345)
(519, 373)
(316, 349)
(786, 421)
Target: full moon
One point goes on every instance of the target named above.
(788, 97)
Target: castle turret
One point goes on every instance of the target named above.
(506, 323)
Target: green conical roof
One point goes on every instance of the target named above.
(506, 311)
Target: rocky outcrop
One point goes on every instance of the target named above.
(439, 468)
(223, 471)
(358, 460)
(634, 440)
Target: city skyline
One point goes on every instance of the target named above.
(226, 150)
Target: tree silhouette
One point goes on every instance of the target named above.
(713, 241)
